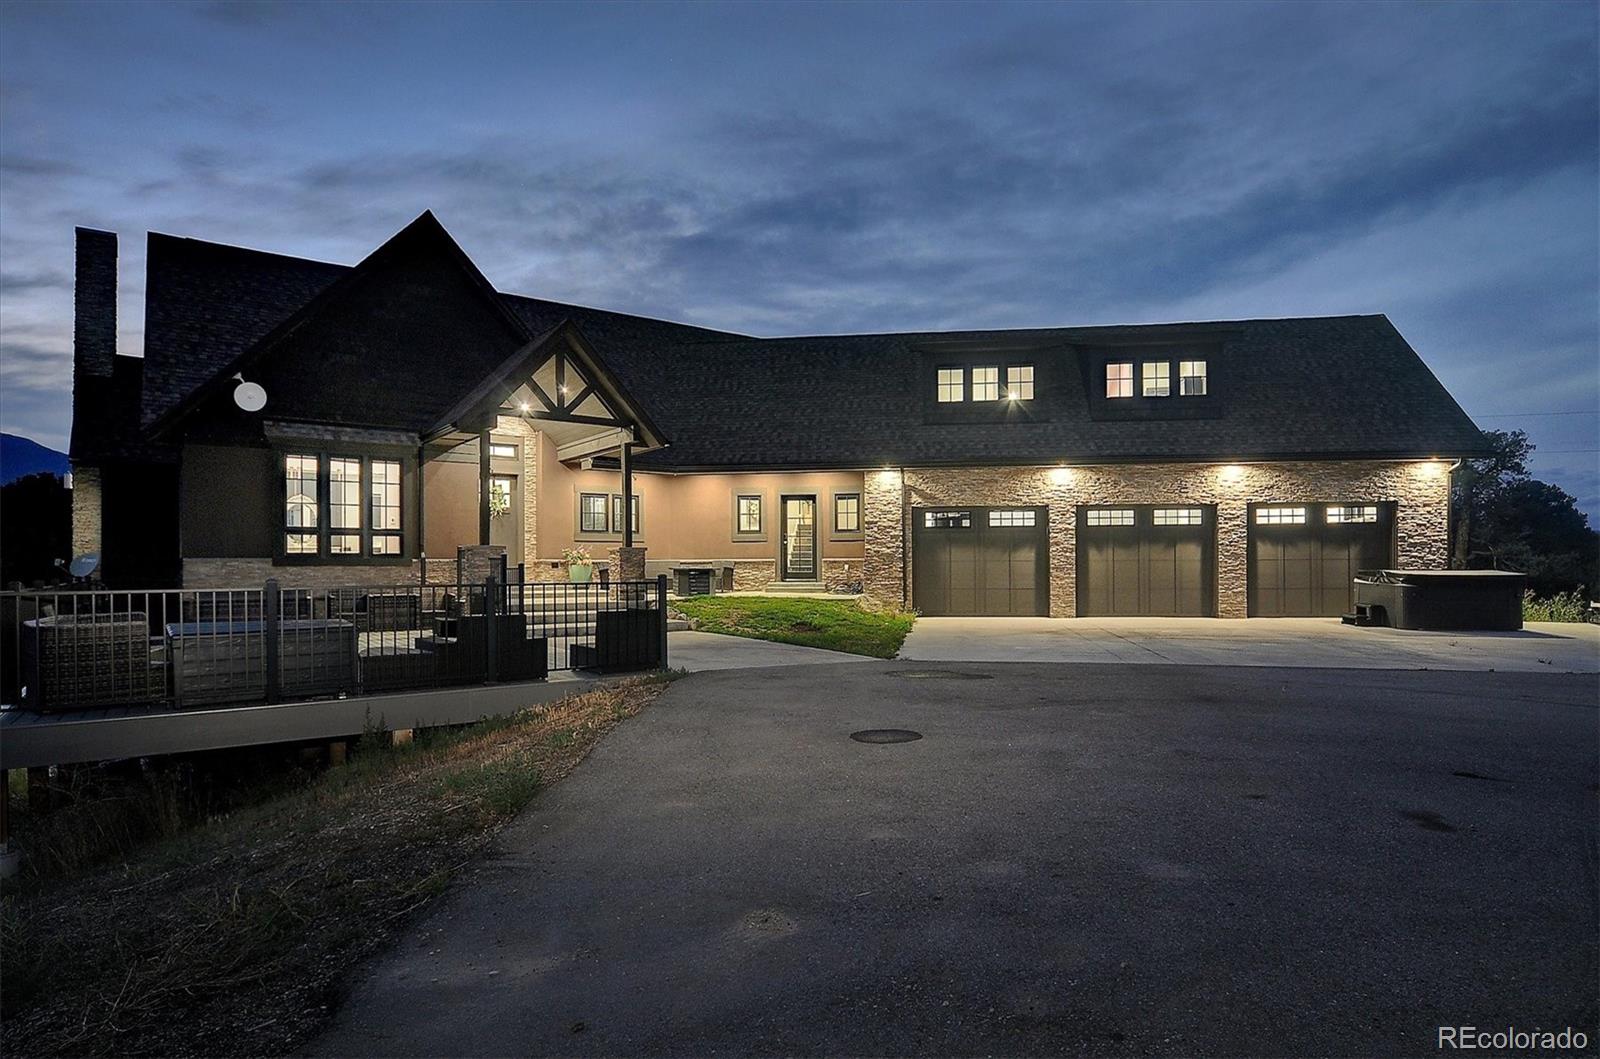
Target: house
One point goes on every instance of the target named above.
(415, 418)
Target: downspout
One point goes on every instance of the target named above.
(422, 545)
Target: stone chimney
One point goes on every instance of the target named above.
(94, 316)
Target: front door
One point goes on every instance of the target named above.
(505, 516)
(797, 554)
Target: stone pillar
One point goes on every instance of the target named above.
(884, 514)
(627, 564)
(85, 509)
(480, 561)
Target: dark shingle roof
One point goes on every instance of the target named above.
(1326, 386)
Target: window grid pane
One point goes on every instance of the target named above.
(1019, 382)
(1280, 516)
(846, 514)
(1023, 517)
(986, 384)
(947, 519)
(1179, 516)
(1192, 378)
(1157, 378)
(385, 544)
(749, 514)
(300, 544)
(1111, 517)
(385, 510)
(344, 494)
(592, 512)
(300, 488)
(505, 452)
(952, 385)
(1119, 379)
(1343, 514)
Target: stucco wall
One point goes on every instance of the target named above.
(1419, 489)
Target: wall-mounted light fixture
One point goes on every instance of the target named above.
(524, 407)
(1231, 472)
(1061, 475)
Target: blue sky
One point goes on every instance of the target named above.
(784, 169)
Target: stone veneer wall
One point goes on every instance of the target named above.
(530, 440)
(85, 510)
(1420, 489)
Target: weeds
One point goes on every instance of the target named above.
(1563, 606)
(236, 937)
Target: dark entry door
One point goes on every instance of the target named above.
(1136, 560)
(991, 561)
(1304, 556)
(798, 549)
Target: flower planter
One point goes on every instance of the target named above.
(580, 574)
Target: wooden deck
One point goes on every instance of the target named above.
(30, 740)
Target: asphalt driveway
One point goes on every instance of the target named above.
(1316, 643)
(1098, 858)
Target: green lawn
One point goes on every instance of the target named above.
(835, 624)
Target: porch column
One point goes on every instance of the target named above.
(483, 486)
(627, 495)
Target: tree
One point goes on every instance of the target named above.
(1507, 520)
(35, 528)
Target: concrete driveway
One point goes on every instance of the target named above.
(1103, 859)
(1542, 647)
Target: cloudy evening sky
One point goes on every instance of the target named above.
(827, 168)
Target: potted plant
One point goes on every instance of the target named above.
(580, 567)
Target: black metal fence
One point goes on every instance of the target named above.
(88, 649)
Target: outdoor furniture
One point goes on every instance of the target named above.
(623, 640)
(460, 645)
(221, 662)
(1488, 600)
(83, 661)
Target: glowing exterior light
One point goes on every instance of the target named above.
(524, 406)
(1011, 395)
(1231, 473)
(1061, 475)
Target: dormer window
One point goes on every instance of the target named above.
(1019, 382)
(952, 385)
(986, 384)
(1156, 375)
(1119, 379)
(1192, 378)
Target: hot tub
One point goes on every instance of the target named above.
(1440, 599)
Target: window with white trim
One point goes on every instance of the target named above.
(1020, 517)
(947, 519)
(1178, 516)
(1280, 516)
(501, 451)
(1192, 378)
(1156, 377)
(1119, 379)
(1109, 516)
(952, 385)
(1344, 514)
(749, 513)
(1019, 382)
(985, 384)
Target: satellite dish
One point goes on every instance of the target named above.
(85, 564)
(249, 395)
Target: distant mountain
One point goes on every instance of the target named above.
(20, 457)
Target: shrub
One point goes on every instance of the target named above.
(1563, 606)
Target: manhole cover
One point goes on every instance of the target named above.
(937, 674)
(885, 735)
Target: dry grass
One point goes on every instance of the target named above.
(236, 938)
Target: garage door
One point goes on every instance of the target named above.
(1147, 560)
(980, 560)
(1303, 556)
